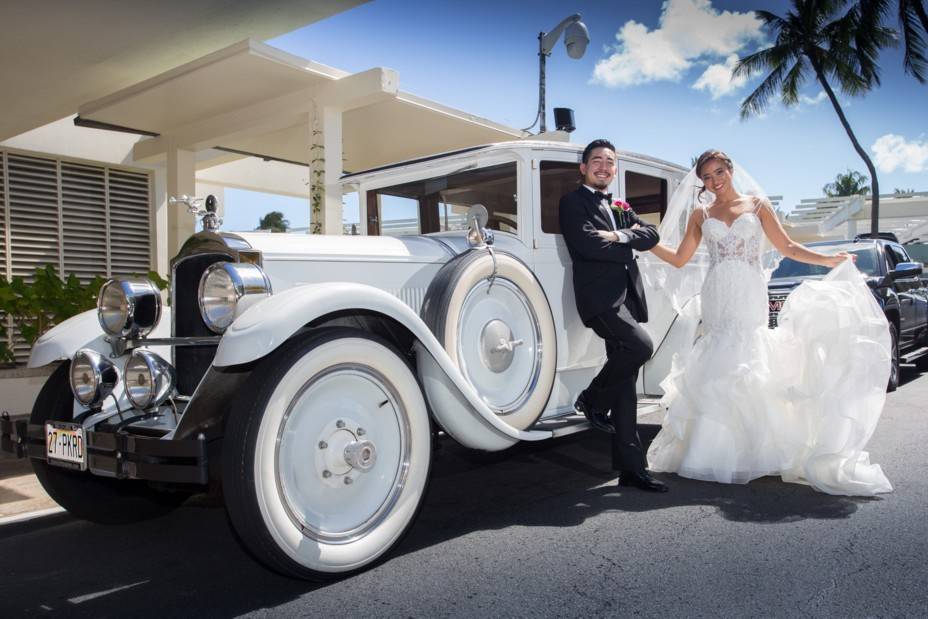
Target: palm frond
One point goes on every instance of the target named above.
(770, 20)
(757, 101)
(766, 59)
(914, 32)
(842, 65)
(793, 81)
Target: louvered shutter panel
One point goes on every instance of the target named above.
(34, 223)
(3, 215)
(33, 208)
(81, 218)
(129, 217)
(83, 199)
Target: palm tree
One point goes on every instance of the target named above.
(822, 39)
(913, 20)
(850, 183)
(274, 221)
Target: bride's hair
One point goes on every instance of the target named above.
(708, 156)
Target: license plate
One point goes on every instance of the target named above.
(65, 445)
(776, 305)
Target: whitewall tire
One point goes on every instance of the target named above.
(325, 466)
(491, 314)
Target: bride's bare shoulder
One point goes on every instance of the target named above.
(755, 203)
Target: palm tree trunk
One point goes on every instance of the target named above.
(874, 183)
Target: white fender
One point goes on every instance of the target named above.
(458, 407)
(83, 331)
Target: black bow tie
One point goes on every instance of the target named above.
(603, 196)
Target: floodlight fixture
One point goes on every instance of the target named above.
(576, 38)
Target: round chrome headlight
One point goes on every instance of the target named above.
(149, 379)
(229, 288)
(93, 376)
(129, 307)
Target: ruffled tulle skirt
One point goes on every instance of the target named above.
(800, 401)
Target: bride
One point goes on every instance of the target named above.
(745, 401)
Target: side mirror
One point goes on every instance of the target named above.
(906, 269)
(477, 233)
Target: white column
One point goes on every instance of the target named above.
(181, 181)
(325, 169)
(332, 140)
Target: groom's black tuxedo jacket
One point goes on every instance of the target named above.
(603, 271)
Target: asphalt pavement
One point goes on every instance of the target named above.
(540, 530)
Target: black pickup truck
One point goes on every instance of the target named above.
(893, 277)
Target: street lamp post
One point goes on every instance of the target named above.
(576, 38)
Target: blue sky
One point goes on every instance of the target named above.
(636, 85)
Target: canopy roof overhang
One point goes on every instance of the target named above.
(57, 54)
(251, 98)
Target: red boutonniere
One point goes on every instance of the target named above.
(620, 205)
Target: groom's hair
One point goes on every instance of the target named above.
(600, 143)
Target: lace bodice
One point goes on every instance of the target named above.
(734, 293)
(740, 241)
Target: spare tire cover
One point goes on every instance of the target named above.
(498, 330)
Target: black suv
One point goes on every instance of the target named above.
(894, 278)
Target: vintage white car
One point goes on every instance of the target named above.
(308, 376)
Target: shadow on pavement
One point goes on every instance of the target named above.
(190, 563)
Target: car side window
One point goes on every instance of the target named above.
(557, 179)
(897, 255)
(440, 204)
(647, 196)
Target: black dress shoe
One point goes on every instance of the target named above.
(642, 481)
(598, 418)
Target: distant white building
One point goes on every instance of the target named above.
(817, 219)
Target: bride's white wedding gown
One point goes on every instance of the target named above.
(800, 401)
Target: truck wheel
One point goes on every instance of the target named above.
(894, 369)
(326, 461)
(83, 495)
(498, 330)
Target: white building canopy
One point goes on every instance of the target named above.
(253, 99)
(256, 99)
(57, 54)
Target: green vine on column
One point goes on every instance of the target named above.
(316, 180)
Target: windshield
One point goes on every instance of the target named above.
(866, 262)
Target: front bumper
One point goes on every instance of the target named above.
(119, 454)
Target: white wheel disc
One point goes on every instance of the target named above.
(342, 455)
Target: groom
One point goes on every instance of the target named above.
(610, 300)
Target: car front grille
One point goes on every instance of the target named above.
(191, 362)
(775, 301)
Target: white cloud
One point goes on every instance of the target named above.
(689, 31)
(894, 151)
(718, 78)
(821, 96)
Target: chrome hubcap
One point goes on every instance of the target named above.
(497, 346)
(342, 455)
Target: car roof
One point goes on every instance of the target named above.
(848, 244)
(512, 144)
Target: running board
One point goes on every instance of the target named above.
(573, 422)
(909, 357)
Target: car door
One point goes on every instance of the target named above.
(580, 352)
(911, 303)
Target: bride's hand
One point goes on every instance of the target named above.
(840, 257)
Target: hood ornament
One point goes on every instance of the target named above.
(210, 220)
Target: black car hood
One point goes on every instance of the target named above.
(788, 283)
